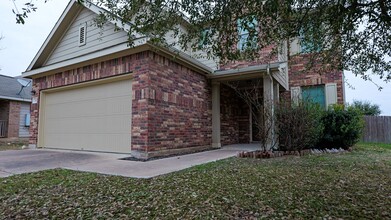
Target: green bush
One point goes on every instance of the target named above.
(366, 108)
(299, 126)
(342, 128)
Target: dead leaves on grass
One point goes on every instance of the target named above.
(355, 185)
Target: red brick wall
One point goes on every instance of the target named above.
(13, 119)
(171, 104)
(178, 104)
(265, 56)
(133, 63)
(234, 115)
(228, 110)
(301, 75)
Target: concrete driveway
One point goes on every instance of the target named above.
(32, 160)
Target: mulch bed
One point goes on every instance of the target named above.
(273, 154)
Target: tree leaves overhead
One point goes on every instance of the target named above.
(22, 15)
(348, 34)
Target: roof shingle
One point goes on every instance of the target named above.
(10, 88)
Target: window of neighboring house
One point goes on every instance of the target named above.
(245, 26)
(27, 120)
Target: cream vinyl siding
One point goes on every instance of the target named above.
(95, 38)
(200, 55)
(93, 118)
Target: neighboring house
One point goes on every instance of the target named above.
(93, 92)
(15, 100)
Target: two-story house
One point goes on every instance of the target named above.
(91, 91)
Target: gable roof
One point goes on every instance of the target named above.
(141, 42)
(56, 34)
(11, 89)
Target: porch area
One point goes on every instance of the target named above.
(240, 103)
(3, 128)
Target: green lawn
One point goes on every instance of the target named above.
(10, 146)
(353, 185)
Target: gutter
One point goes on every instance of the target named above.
(15, 99)
(85, 58)
(244, 71)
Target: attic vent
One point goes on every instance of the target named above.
(82, 35)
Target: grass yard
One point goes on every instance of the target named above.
(353, 185)
(11, 146)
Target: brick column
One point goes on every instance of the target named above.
(13, 119)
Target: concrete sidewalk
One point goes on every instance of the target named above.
(110, 164)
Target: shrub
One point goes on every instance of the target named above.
(298, 126)
(342, 128)
(366, 108)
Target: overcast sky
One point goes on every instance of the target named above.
(22, 42)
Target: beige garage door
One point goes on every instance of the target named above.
(93, 118)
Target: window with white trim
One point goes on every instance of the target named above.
(323, 95)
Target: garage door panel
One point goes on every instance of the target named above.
(106, 143)
(96, 118)
(107, 106)
(114, 124)
(100, 91)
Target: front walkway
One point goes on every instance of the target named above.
(25, 161)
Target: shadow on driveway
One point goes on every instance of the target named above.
(26, 161)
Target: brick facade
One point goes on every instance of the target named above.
(179, 115)
(265, 56)
(171, 104)
(137, 64)
(300, 75)
(235, 118)
(13, 119)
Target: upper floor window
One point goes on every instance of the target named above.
(308, 41)
(204, 40)
(245, 26)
